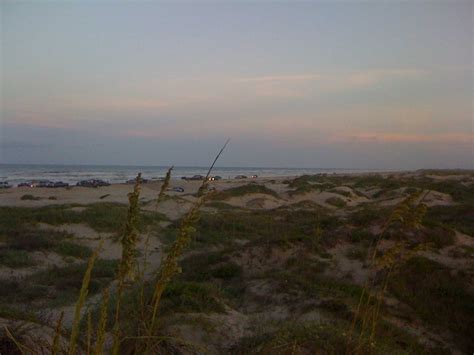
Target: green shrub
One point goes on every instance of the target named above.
(29, 197)
(243, 190)
(60, 284)
(368, 215)
(357, 253)
(341, 192)
(103, 217)
(15, 258)
(185, 296)
(299, 338)
(460, 217)
(67, 248)
(437, 296)
(227, 271)
(440, 236)
(336, 201)
(361, 235)
(30, 240)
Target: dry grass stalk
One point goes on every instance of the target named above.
(130, 235)
(23, 348)
(101, 326)
(409, 215)
(82, 299)
(170, 267)
(164, 186)
(89, 332)
(57, 335)
(128, 261)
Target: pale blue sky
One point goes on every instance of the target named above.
(316, 84)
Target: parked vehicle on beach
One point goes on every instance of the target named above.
(5, 185)
(26, 184)
(93, 183)
(254, 176)
(197, 177)
(132, 181)
(217, 177)
(60, 184)
(44, 183)
(214, 178)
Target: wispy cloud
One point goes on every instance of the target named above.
(298, 85)
(376, 76)
(365, 77)
(279, 78)
(367, 137)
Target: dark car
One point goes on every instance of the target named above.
(93, 183)
(60, 184)
(99, 183)
(5, 185)
(241, 177)
(26, 184)
(217, 177)
(44, 183)
(197, 177)
(132, 181)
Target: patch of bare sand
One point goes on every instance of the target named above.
(173, 207)
(344, 268)
(42, 261)
(432, 198)
(33, 335)
(255, 201)
(416, 328)
(75, 195)
(462, 260)
(111, 248)
(259, 259)
(77, 209)
(435, 198)
(211, 333)
(320, 198)
(81, 231)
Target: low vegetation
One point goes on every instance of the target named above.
(302, 278)
(336, 202)
(252, 188)
(442, 299)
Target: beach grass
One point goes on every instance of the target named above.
(227, 261)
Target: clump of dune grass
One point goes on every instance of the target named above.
(130, 236)
(164, 186)
(336, 202)
(127, 266)
(15, 259)
(244, 190)
(101, 327)
(29, 197)
(80, 302)
(409, 213)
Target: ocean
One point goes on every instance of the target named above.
(71, 174)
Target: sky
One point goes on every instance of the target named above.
(329, 84)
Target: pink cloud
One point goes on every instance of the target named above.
(280, 78)
(461, 138)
